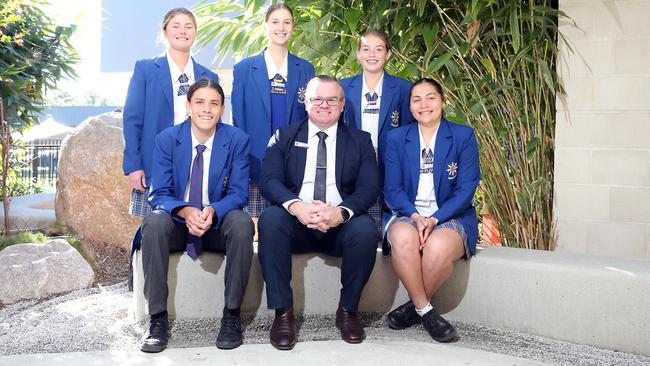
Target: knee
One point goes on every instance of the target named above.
(240, 224)
(272, 217)
(403, 239)
(157, 220)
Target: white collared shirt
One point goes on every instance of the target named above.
(270, 66)
(206, 169)
(179, 100)
(332, 194)
(425, 198)
(370, 121)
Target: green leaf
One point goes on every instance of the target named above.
(440, 61)
(531, 147)
(514, 29)
(546, 74)
(352, 18)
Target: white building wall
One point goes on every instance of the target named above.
(602, 156)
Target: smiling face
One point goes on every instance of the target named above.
(324, 92)
(205, 107)
(426, 104)
(372, 53)
(180, 32)
(279, 27)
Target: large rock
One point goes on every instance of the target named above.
(30, 271)
(92, 193)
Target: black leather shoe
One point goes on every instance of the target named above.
(438, 327)
(283, 335)
(403, 316)
(351, 328)
(156, 338)
(230, 334)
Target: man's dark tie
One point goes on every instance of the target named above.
(321, 168)
(194, 243)
(185, 86)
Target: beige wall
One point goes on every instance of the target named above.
(602, 156)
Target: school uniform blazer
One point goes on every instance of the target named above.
(393, 111)
(456, 174)
(283, 168)
(149, 108)
(251, 101)
(228, 175)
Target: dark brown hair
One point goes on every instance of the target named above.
(275, 7)
(205, 83)
(377, 33)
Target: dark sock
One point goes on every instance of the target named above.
(231, 312)
(162, 315)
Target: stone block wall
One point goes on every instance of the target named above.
(602, 157)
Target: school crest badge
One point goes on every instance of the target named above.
(394, 119)
(301, 94)
(452, 170)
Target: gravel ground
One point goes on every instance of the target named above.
(98, 319)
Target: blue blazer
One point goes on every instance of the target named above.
(283, 168)
(149, 109)
(393, 112)
(456, 174)
(228, 176)
(251, 101)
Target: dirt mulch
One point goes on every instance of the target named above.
(110, 263)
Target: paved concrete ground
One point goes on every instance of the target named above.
(97, 321)
(325, 353)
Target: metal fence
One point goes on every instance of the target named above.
(37, 162)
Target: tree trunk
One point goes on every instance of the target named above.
(5, 141)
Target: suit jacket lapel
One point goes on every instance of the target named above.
(356, 86)
(341, 149)
(293, 75)
(300, 154)
(443, 143)
(217, 160)
(261, 77)
(413, 157)
(388, 94)
(183, 158)
(165, 79)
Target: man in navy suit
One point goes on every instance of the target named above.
(198, 189)
(320, 177)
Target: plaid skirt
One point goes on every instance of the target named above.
(139, 205)
(453, 224)
(376, 213)
(256, 203)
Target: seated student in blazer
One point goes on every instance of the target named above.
(320, 177)
(199, 186)
(376, 102)
(156, 100)
(432, 171)
(268, 92)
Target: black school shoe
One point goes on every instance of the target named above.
(155, 339)
(230, 334)
(438, 328)
(403, 316)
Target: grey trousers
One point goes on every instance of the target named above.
(162, 235)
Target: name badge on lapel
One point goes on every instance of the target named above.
(452, 170)
(278, 85)
(304, 145)
(394, 119)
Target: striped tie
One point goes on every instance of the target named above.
(194, 242)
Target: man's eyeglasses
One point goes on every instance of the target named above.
(330, 101)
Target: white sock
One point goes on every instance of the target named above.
(424, 310)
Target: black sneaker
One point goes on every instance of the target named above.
(438, 327)
(230, 335)
(155, 340)
(403, 316)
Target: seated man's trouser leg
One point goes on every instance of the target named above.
(162, 235)
(281, 234)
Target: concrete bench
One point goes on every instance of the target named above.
(599, 301)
